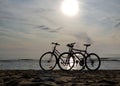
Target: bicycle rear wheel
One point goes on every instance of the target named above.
(92, 61)
(66, 61)
(48, 61)
(79, 61)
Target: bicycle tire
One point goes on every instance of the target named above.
(63, 65)
(45, 63)
(79, 61)
(90, 62)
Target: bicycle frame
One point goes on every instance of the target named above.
(82, 51)
(55, 51)
(71, 51)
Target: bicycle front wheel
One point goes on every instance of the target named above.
(66, 61)
(48, 61)
(92, 62)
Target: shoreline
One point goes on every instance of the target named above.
(58, 78)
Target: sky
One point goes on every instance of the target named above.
(27, 27)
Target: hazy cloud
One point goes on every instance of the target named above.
(56, 30)
(41, 26)
(117, 25)
(46, 28)
(83, 36)
(44, 10)
(32, 23)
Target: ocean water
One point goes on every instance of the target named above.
(28, 64)
(19, 64)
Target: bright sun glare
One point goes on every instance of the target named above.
(70, 7)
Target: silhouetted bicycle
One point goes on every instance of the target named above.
(49, 59)
(81, 58)
(92, 60)
(70, 59)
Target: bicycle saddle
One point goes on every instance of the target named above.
(71, 45)
(87, 45)
(55, 43)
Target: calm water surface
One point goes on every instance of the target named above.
(107, 64)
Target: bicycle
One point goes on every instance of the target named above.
(92, 61)
(49, 59)
(70, 59)
(82, 58)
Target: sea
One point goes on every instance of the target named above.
(33, 64)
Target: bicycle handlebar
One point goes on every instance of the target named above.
(55, 43)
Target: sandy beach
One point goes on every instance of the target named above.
(59, 78)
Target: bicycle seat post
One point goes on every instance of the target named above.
(71, 45)
(87, 45)
(55, 44)
(86, 48)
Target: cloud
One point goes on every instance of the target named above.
(12, 34)
(44, 10)
(25, 11)
(46, 28)
(37, 21)
(117, 25)
(83, 36)
(56, 30)
(43, 27)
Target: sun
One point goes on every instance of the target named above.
(70, 7)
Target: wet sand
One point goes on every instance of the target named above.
(59, 78)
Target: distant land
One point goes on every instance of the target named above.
(102, 59)
(19, 59)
